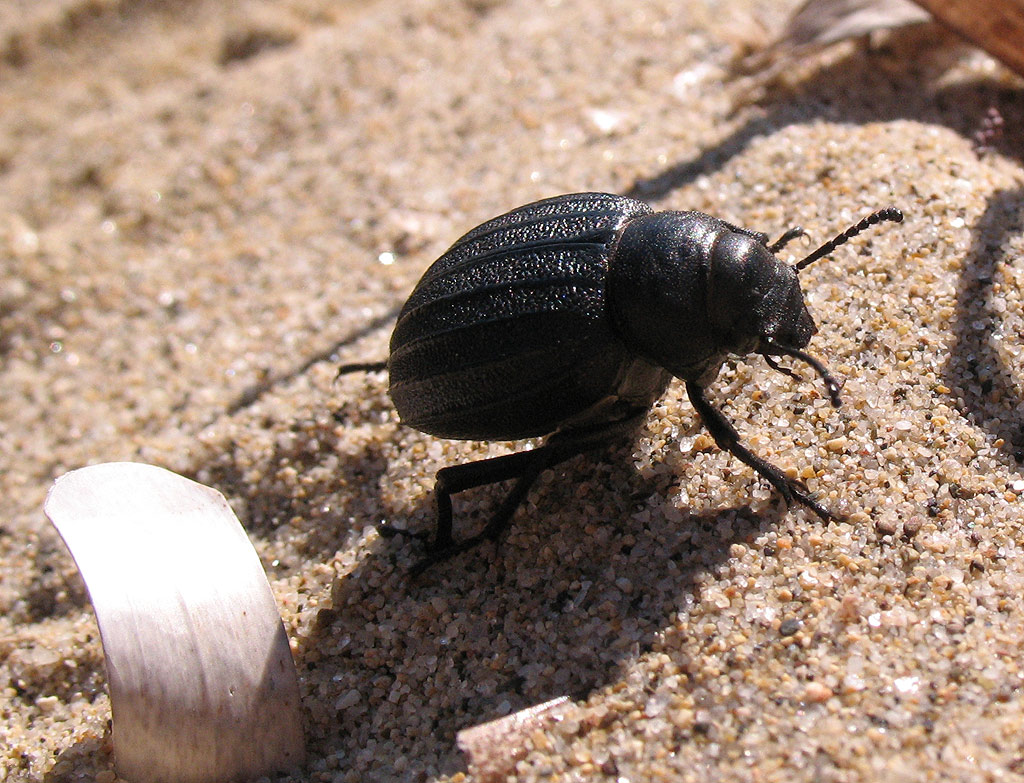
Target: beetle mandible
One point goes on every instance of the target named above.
(568, 317)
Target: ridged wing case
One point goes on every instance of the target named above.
(507, 336)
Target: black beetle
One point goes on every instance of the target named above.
(568, 317)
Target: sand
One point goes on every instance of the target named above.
(204, 208)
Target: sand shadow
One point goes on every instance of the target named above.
(328, 353)
(983, 387)
(899, 80)
(82, 760)
(469, 653)
(333, 506)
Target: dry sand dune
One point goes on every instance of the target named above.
(205, 206)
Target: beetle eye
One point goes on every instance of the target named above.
(791, 324)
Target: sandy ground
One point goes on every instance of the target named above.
(204, 207)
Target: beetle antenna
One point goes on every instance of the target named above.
(889, 213)
(830, 382)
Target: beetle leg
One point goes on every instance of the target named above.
(345, 369)
(458, 478)
(779, 368)
(786, 238)
(831, 383)
(762, 239)
(444, 546)
(728, 439)
(758, 236)
(524, 466)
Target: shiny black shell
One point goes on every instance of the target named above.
(507, 335)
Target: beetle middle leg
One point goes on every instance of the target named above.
(728, 439)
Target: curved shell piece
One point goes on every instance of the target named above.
(201, 678)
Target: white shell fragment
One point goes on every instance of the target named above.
(201, 678)
(494, 747)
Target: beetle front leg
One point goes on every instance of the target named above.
(728, 439)
(787, 237)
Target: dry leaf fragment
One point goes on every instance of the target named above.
(821, 22)
(201, 679)
(494, 747)
(997, 26)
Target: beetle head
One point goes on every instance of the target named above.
(757, 305)
(685, 289)
(753, 298)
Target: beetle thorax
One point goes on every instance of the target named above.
(686, 289)
(657, 292)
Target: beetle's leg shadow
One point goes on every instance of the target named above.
(523, 466)
(728, 439)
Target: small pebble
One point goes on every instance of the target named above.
(789, 627)
(816, 693)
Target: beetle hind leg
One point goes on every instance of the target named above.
(728, 439)
(523, 466)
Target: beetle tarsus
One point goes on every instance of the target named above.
(728, 439)
(390, 531)
(433, 557)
